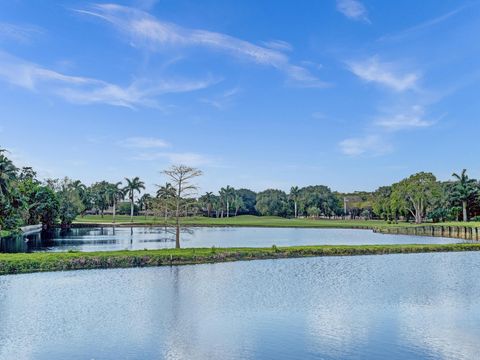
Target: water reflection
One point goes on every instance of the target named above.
(418, 306)
(137, 238)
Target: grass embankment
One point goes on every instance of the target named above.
(243, 220)
(40, 262)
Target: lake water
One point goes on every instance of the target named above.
(136, 238)
(415, 306)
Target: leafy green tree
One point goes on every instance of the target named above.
(124, 208)
(8, 173)
(207, 201)
(319, 196)
(166, 195)
(27, 173)
(313, 211)
(70, 204)
(382, 203)
(249, 199)
(47, 206)
(272, 202)
(28, 188)
(438, 215)
(237, 203)
(100, 195)
(11, 201)
(357, 204)
(85, 196)
(144, 203)
(415, 194)
(133, 185)
(464, 190)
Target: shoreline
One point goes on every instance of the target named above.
(48, 262)
(228, 225)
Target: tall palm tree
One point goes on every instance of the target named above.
(82, 191)
(166, 194)
(208, 200)
(294, 195)
(227, 193)
(144, 203)
(115, 194)
(237, 203)
(464, 189)
(8, 173)
(133, 185)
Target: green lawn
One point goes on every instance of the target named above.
(39, 262)
(260, 221)
(244, 220)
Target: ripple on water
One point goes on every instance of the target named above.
(376, 307)
(139, 238)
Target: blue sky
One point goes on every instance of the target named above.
(351, 94)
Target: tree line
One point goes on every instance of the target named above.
(26, 200)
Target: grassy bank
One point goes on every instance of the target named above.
(244, 220)
(40, 262)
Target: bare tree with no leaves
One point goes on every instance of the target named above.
(181, 177)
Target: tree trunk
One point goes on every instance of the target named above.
(177, 215)
(177, 236)
(418, 217)
(131, 210)
(464, 206)
(114, 210)
(296, 214)
(228, 209)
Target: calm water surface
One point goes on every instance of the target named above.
(417, 306)
(120, 238)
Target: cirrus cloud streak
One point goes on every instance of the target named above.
(142, 29)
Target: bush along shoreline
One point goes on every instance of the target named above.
(44, 262)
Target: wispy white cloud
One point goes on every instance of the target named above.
(353, 9)
(425, 25)
(144, 143)
(384, 73)
(412, 118)
(312, 64)
(19, 33)
(376, 142)
(278, 45)
(84, 90)
(368, 145)
(223, 100)
(144, 30)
